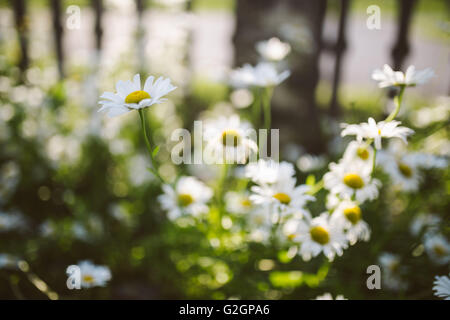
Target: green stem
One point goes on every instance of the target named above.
(266, 98)
(154, 167)
(256, 108)
(317, 187)
(398, 102)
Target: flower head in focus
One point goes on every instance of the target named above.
(319, 235)
(373, 130)
(264, 74)
(189, 196)
(441, 287)
(348, 179)
(282, 197)
(349, 214)
(130, 95)
(273, 49)
(390, 78)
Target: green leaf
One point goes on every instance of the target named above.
(155, 151)
(311, 180)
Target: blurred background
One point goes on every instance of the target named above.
(76, 182)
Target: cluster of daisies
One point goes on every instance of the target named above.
(272, 201)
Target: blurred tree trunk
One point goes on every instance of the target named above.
(255, 22)
(401, 48)
(58, 35)
(98, 9)
(21, 21)
(339, 49)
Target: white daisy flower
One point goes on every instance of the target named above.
(437, 248)
(441, 287)
(428, 222)
(229, 140)
(392, 269)
(390, 78)
(328, 296)
(376, 131)
(238, 202)
(348, 213)
(130, 95)
(359, 152)
(273, 49)
(282, 197)
(319, 235)
(348, 179)
(93, 275)
(264, 74)
(269, 171)
(189, 197)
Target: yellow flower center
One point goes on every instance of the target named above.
(405, 169)
(282, 197)
(353, 214)
(137, 96)
(363, 153)
(439, 250)
(231, 137)
(88, 278)
(185, 199)
(319, 235)
(291, 236)
(354, 181)
(394, 266)
(379, 132)
(246, 203)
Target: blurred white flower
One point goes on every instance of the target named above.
(319, 235)
(310, 162)
(269, 171)
(264, 74)
(273, 49)
(437, 248)
(238, 202)
(404, 168)
(441, 287)
(427, 115)
(424, 221)
(11, 221)
(188, 197)
(93, 275)
(392, 270)
(229, 140)
(328, 296)
(348, 213)
(376, 131)
(129, 95)
(351, 178)
(8, 261)
(260, 225)
(404, 172)
(389, 78)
